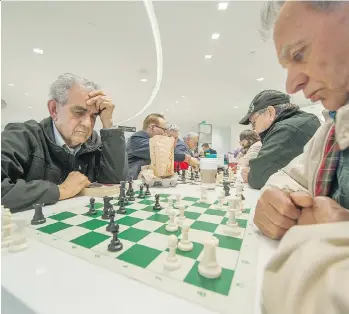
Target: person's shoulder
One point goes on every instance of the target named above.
(140, 133)
(27, 127)
(256, 145)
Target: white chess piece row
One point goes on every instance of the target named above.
(12, 235)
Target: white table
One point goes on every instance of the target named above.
(45, 280)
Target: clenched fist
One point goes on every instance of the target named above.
(72, 185)
(276, 211)
(323, 210)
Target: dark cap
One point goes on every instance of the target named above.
(263, 100)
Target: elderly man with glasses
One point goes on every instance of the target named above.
(283, 129)
(138, 145)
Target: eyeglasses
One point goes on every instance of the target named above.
(256, 116)
(159, 127)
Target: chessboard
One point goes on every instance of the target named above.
(143, 234)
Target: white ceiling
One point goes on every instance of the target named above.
(112, 44)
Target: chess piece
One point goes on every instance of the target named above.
(169, 206)
(147, 192)
(197, 175)
(141, 193)
(219, 179)
(209, 267)
(115, 245)
(112, 220)
(221, 200)
(106, 207)
(39, 217)
(178, 170)
(178, 201)
(157, 205)
(172, 261)
(184, 244)
(226, 188)
(6, 228)
(172, 226)
(19, 241)
(204, 194)
(122, 188)
(192, 174)
(122, 209)
(183, 176)
(181, 217)
(92, 210)
(122, 196)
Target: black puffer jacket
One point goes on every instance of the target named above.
(32, 165)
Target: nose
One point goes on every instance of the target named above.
(296, 80)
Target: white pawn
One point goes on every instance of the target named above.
(172, 261)
(181, 217)
(19, 242)
(203, 196)
(209, 267)
(172, 226)
(185, 244)
(232, 227)
(169, 206)
(6, 227)
(221, 199)
(178, 201)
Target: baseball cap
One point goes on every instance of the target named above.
(263, 100)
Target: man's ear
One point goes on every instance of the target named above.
(52, 108)
(272, 112)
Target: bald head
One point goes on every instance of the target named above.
(312, 43)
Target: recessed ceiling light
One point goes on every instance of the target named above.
(30, 107)
(260, 79)
(144, 80)
(26, 94)
(11, 84)
(236, 107)
(208, 56)
(176, 101)
(166, 110)
(38, 51)
(183, 96)
(215, 36)
(222, 6)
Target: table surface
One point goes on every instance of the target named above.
(45, 280)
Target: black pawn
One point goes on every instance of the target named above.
(196, 174)
(39, 217)
(178, 170)
(192, 175)
(122, 209)
(122, 196)
(226, 188)
(183, 176)
(107, 206)
(157, 205)
(92, 210)
(122, 188)
(147, 192)
(112, 219)
(115, 245)
(141, 193)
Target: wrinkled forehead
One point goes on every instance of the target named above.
(77, 95)
(291, 27)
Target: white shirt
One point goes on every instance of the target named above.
(61, 143)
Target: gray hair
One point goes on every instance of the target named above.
(61, 86)
(173, 127)
(271, 10)
(190, 135)
(280, 108)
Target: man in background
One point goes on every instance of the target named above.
(138, 144)
(283, 130)
(184, 149)
(58, 157)
(208, 150)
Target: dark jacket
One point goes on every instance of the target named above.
(282, 141)
(181, 150)
(210, 152)
(32, 165)
(138, 152)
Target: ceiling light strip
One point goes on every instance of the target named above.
(159, 58)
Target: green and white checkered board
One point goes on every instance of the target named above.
(145, 240)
